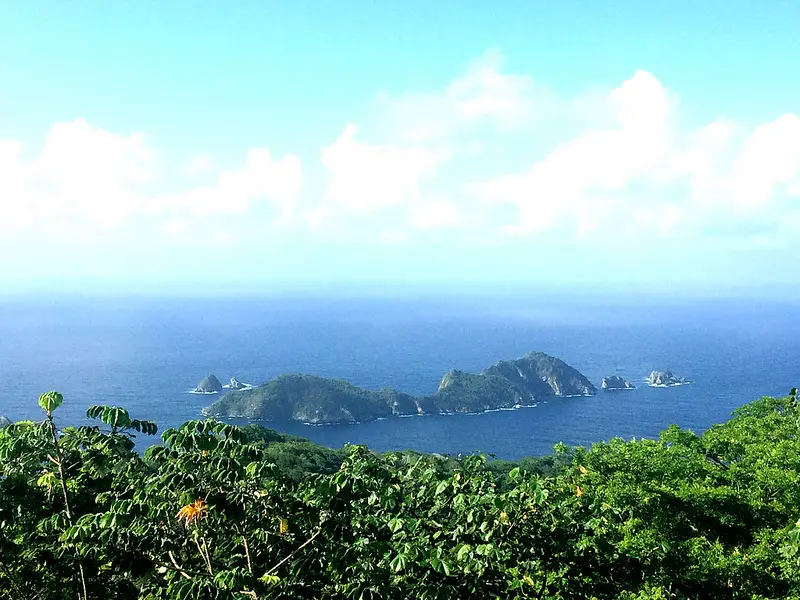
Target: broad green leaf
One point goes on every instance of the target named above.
(50, 401)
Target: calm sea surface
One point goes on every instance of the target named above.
(144, 354)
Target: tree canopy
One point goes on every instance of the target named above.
(222, 512)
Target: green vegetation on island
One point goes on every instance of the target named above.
(219, 512)
(311, 399)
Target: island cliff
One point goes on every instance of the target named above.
(311, 399)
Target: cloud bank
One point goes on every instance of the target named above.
(491, 157)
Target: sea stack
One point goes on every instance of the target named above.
(664, 379)
(4, 422)
(210, 384)
(236, 384)
(615, 382)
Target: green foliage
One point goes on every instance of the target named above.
(468, 392)
(223, 512)
(120, 421)
(294, 456)
(50, 401)
(304, 398)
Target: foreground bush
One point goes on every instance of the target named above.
(208, 514)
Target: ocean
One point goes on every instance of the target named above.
(146, 353)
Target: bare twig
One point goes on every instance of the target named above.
(203, 554)
(247, 553)
(295, 551)
(208, 557)
(717, 461)
(177, 566)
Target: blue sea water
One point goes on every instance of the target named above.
(144, 354)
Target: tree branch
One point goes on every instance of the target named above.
(59, 462)
(716, 460)
(176, 565)
(295, 551)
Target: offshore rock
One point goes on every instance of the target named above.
(235, 384)
(664, 379)
(209, 385)
(615, 382)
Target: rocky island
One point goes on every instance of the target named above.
(615, 382)
(235, 384)
(664, 379)
(209, 385)
(4, 421)
(507, 384)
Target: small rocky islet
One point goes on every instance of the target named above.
(212, 385)
(615, 382)
(209, 385)
(664, 379)
(235, 384)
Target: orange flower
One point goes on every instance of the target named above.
(193, 512)
(578, 491)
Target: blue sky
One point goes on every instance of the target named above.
(265, 145)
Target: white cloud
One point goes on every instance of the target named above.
(394, 236)
(662, 219)
(437, 214)
(421, 133)
(614, 162)
(81, 170)
(702, 160)
(365, 177)
(77, 155)
(581, 179)
(645, 175)
(16, 209)
(636, 173)
(641, 105)
(741, 181)
(482, 95)
(236, 191)
(770, 157)
(198, 165)
(87, 177)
